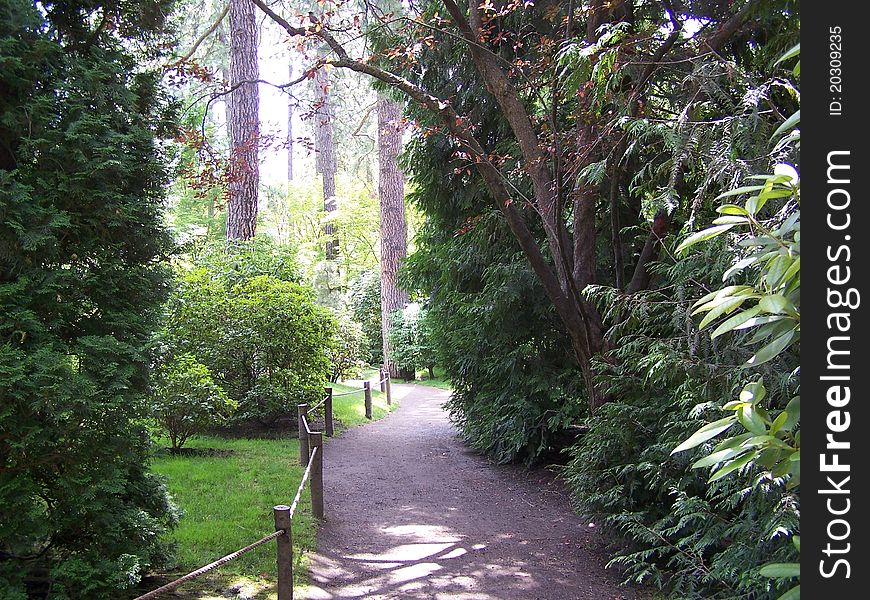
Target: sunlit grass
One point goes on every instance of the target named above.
(350, 410)
(226, 490)
(227, 502)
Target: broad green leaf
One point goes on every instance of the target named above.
(768, 441)
(779, 422)
(756, 203)
(700, 236)
(706, 432)
(732, 442)
(792, 270)
(771, 350)
(732, 209)
(730, 219)
(741, 190)
(717, 457)
(790, 53)
(751, 420)
(787, 124)
(732, 466)
(771, 330)
(793, 409)
(781, 570)
(776, 269)
(770, 457)
(774, 303)
(788, 171)
(793, 594)
(729, 305)
(730, 290)
(739, 266)
(753, 392)
(735, 322)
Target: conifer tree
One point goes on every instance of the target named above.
(81, 283)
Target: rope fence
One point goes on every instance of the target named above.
(283, 523)
(310, 456)
(203, 570)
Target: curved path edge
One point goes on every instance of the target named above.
(413, 513)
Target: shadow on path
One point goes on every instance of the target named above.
(413, 513)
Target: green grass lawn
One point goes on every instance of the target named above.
(227, 491)
(440, 381)
(421, 378)
(350, 409)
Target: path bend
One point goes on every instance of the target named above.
(412, 513)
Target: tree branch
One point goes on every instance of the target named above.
(205, 34)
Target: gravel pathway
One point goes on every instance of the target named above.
(411, 512)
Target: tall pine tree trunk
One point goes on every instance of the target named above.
(290, 127)
(243, 122)
(325, 147)
(394, 230)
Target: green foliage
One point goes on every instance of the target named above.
(771, 442)
(412, 344)
(237, 261)
(265, 341)
(704, 536)
(193, 209)
(364, 301)
(186, 400)
(297, 218)
(692, 538)
(496, 336)
(347, 354)
(81, 283)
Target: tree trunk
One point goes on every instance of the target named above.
(243, 122)
(325, 148)
(394, 230)
(290, 127)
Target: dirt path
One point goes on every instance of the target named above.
(411, 512)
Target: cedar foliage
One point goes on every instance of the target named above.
(703, 127)
(495, 333)
(81, 283)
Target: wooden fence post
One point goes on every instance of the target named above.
(317, 474)
(285, 552)
(367, 388)
(302, 411)
(327, 417)
(389, 386)
(382, 379)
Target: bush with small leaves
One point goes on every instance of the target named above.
(187, 401)
(264, 340)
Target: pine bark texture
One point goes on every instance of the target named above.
(394, 229)
(243, 108)
(290, 129)
(325, 148)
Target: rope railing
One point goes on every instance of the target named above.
(347, 393)
(319, 404)
(203, 570)
(311, 456)
(305, 476)
(283, 523)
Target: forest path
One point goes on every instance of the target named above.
(411, 512)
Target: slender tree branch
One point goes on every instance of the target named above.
(205, 34)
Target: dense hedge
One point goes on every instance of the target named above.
(81, 284)
(263, 338)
